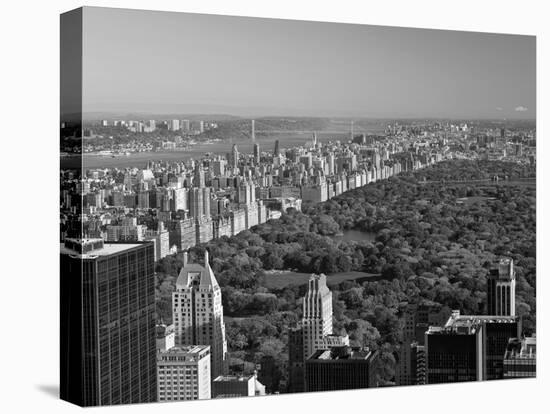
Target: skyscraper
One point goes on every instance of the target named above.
(234, 156)
(276, 151)
(501, 289)
(295, 360)
(198, 312)
(452, 354)
(199, 203)
(340, 368)
(174, 125)
(108, 338)
(317, 315)
(468, 348)
(253, 132)
(257, 153)
(199, 180)
(417, 318)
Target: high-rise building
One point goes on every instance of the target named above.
(468, 348)
(199, 202)
(340, 368)
(418, 365)
(317, 314)
(418, 318)
(257, 153)
(174, 125)
(108, 338)
(185, 125)
(497, 331)
(253, 132)
(453, 355)
(198, 312)
(184, 373)
(276, 150)
(199, 180)
(520, 359)
(295, 360)
(501, 289)
(234, 156)
(219, 167)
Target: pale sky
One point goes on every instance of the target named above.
(165, 62)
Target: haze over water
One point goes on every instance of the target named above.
(197, 151)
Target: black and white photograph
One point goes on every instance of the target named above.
(286, 206)
(254, 205)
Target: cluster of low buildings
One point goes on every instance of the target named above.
(185, 126)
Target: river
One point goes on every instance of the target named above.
(197, 151)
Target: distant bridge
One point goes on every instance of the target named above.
(253, 131)
(302, 131)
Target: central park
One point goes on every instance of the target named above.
(431, 237)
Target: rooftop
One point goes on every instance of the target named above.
(342, 353)
(525, 348)
(457, 320)
(186, 349)
(468, 324)
(88, 248)
(233, 378)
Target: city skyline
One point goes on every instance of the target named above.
(209, 257)
(211, 64)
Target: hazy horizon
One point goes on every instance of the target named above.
(137, 61)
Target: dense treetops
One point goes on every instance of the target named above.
(433, 243)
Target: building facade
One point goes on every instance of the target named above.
(340, 368)
(198, 312)
(501, 289)
(230, 386)
(184, 373)
(520, 359)
(108, 351)
(468, 348)
(317, 314)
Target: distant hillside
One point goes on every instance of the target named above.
(242, 128)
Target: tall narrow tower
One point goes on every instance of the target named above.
(199, 176)
(276, 149)
(234, 156)
(198, 312)
(253, 132)
(257, 153)
(351, 131)
(501, 289)
(317, 317)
